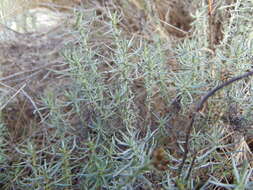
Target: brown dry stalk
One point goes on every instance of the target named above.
(211, 24)
(210, 7)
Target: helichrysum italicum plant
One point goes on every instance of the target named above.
(93, 136)
(242, 177)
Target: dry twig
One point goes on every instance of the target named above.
(198, 108)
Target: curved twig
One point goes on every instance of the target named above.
(199, 107)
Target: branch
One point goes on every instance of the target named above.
(210, 93)
(198, 108)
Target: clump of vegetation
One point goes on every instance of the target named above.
(113, 99)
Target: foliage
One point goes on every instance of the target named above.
(117, 117)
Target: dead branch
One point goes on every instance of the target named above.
(198, 108)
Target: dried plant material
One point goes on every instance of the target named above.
(175, 16)
(215, 21)
(243, 152)
(26, 63)
(159, 160)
